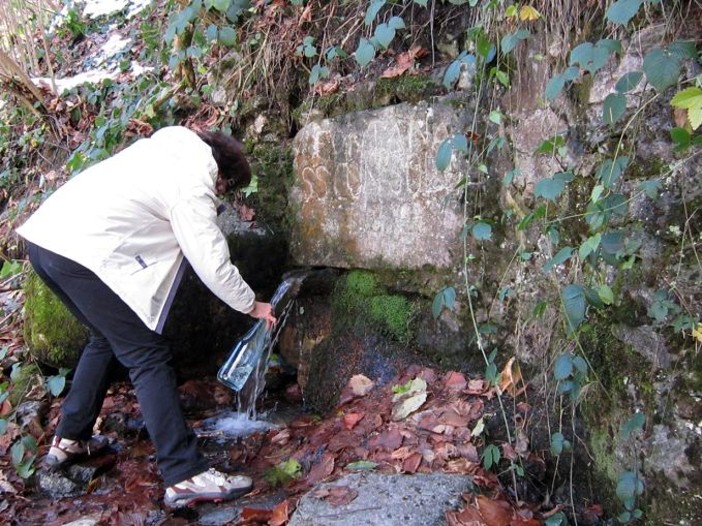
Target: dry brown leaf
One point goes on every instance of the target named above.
(281, 438)
(306, 15)
(327, 86)
(476, 387)
(494, 512)
(351, 419)
(455, 381)
(401, 453)
(462, 465)
(680, 117)
(253, 515)
(508, 451)
(322, 469)
(336, 495)
(510, 378)
(411, 464)
(280, 514)
(388, 440)
(465, 517)
(359, 385)
(246, 213)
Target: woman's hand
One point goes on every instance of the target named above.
(263, 311)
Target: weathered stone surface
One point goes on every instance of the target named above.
(368, 193)
(388, 500)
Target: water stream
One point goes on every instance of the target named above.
(244, 370)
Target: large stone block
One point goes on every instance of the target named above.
(368, 193)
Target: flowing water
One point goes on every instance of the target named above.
(245, 369)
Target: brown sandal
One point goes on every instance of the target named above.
(65, 451)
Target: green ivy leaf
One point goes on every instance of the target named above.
(551, 146)
(56, 384)
(372, 12)
(589, 246)
(211, 33)
(621, 11)
(361, 465)
(384, 35)
(563, 367)
(549, 188)
(227, 36)
(691, 100)
(396, 23)
(610, 171)
(681, 138)
(650, 188)
(509, 176)
(365, 52)
(557, 441)
(221, 5)
(575, 304)
(509, 42)
(446, 297)
(635, 423)
(460, 142)
(554, 87)
(614, 108)
(629, 81)
(558, 519)
(606, 295)
(661, 68)
(422, 3)
(563, 255)
(482, 231)
(443, 155)
(627, 486)
(682, 49)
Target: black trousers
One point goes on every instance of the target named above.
(118, 333)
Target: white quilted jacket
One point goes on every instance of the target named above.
(132, 218)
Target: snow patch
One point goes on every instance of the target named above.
(94, 76)
(96, 8)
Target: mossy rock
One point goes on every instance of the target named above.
(361, 301)
(54, 336)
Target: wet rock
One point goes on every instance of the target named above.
(646, 341)
(73, 481)
(57, 485)
(390, 500)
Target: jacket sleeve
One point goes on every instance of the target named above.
(206, 249)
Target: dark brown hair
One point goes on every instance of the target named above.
(229, 155)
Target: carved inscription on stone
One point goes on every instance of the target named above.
(368, 194)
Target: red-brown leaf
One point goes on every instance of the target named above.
(465, 517)
(494, 512)
(336, 495)
(322, 469)
(280, 514)
(455, 381)
(351, 419)
(412, 463)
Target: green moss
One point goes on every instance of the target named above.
(362, 302)
(273, 166)
(405, 88)
(393, 312)
(53, 334)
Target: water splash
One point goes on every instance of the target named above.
(245, 369)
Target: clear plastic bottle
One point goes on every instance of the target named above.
(250, 355)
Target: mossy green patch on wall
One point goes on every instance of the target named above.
(272, 165)
(361, 301)
(53, 334)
